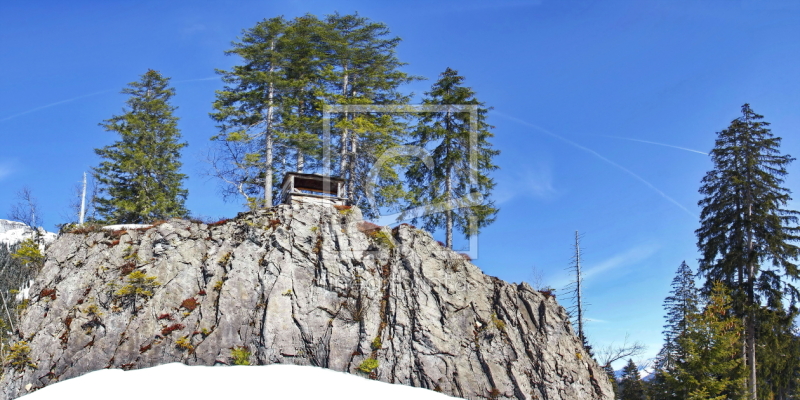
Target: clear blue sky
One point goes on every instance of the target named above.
(579, 90)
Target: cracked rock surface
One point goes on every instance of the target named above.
(297, 284)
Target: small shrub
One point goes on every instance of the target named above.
(314, 229)
(167, 317)
(184, 343)
(88, 228)
(376, 343)
(367, 227)
(127, 268)
(139, 285)
(344, 210)
(201, 293)
(205, 332)
(368, 365)
(93, 310)
(218, 285)
(172, 328)
(145, 348)
(118, 233)
(218, 223)
(114, 243)
(273, 223)
(494, 393)
(51, 293)
(19, 356)
(190, 304)
(223, 261)
(287, 293)
(498, 323)
(465, 256)
(240, 355)
(28, 253)
(548, 292)
(382, 238)
(23, 305)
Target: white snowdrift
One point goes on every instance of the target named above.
(276, 381)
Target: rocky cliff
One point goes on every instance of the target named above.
(296, 284)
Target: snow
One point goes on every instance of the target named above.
(13, 232)
(125, 226)
(276, 381)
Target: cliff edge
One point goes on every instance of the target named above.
(295, 284)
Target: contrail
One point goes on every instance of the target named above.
(656, 143)
(54, 104)
(598, 155)
(89, 95)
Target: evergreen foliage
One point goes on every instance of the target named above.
(679, 305)
(138, 285)
(747, 234)
(454, 192)
(139, 173)
(612, 378)
(272, 107)
(631, 385)
(28, 254)
(712, 368)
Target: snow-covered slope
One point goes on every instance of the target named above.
(12, 232)
(277, 381)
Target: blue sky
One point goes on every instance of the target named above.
(602, 112)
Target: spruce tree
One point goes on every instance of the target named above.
(682, 302)
(139, 174)
(631, 385)
(270, 110)
(247, 112)
(712, 368)
(455, 191)
(747, 233)
(362, 68)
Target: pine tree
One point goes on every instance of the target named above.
(631, 385)
(712, 368)
(362, 68)
(778, 352)
(682, 302)
(139, 173)
(747, 233)
(247, 113)
(271, 108)
(456, 190)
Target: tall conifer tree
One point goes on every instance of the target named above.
(139, 174)
(362, 68)
(247, 113)
(747, 233)
(679, 305)
(454, 191)
(712, 368)
(631, 385)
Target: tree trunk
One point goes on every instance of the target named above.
(268, 138)
(300, 161)
(448, 184)
(343, 165)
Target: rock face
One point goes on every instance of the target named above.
(299, 284)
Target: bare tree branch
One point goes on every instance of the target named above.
(611, 353)
(26, 210)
